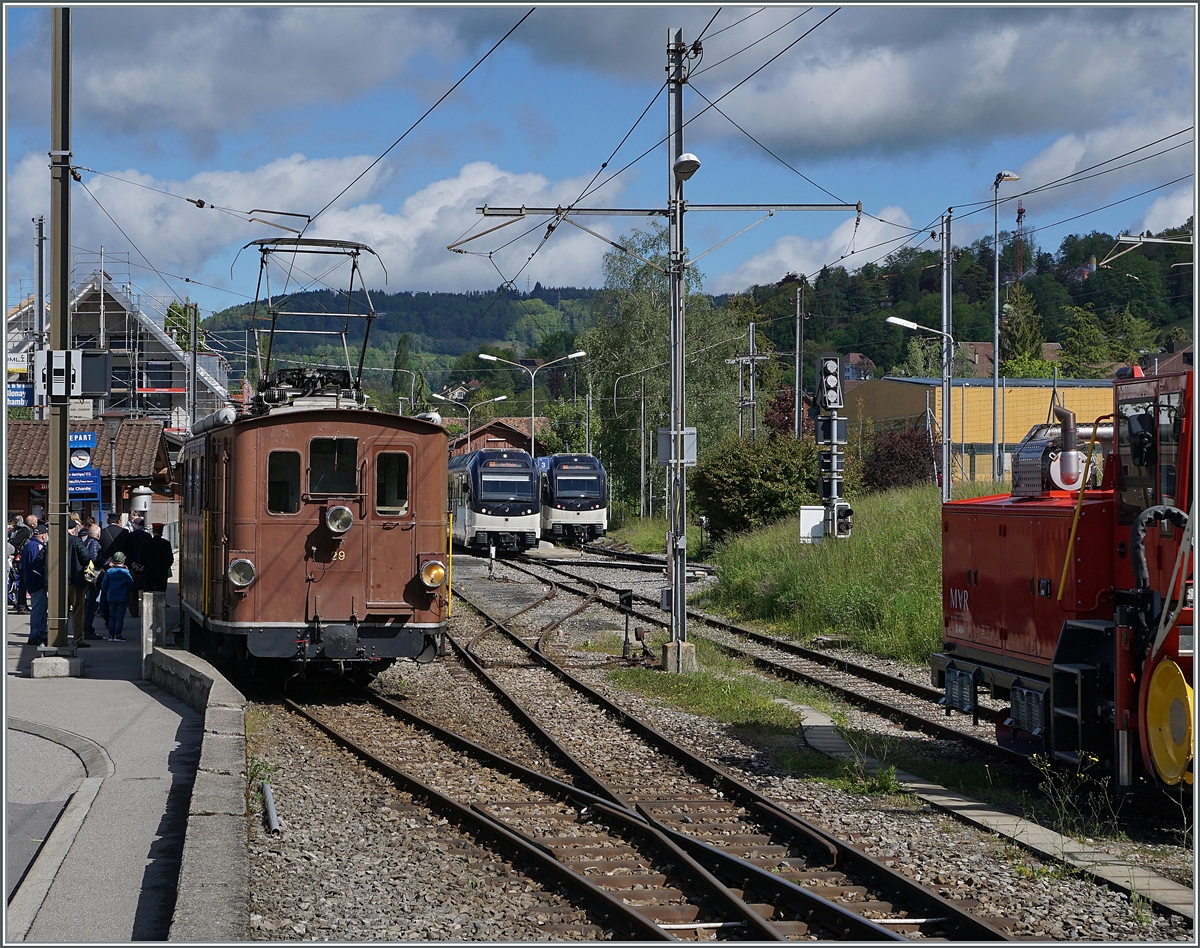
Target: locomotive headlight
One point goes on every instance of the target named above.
(241, 573)
(433, 574)
(339, 519)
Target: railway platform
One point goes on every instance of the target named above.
(99, 777)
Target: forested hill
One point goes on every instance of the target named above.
(1100, 313)
(450, 323)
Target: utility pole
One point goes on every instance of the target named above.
(798, 400)
(947, 351)
(192, 378)
(676, 175)
(748, 362)
(642, 455)
(59, 393)
(39, 296)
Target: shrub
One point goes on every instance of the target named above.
(741, 485)
(901, 457)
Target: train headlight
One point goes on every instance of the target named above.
(433, 573)
(339, 519)
(241, 573)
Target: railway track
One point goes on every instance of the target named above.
(914, 706)
(804, 881)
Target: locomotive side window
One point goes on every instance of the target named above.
(283, 482)
(391, 484)
(1170, 427)
(1137, 458)
(333, 466)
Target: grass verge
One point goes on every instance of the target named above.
(650, 536)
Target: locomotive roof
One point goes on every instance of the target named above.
(352, 415)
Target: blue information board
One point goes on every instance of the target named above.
(20, 394)
(81, 439)
(85, 481)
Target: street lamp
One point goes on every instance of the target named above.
(470, 408)
(412, 388)
(947, 357)
(1002, 176)
(532, 373)
(112, 424)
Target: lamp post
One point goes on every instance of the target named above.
(487, 357)
(412, 389)
(112, 424)
(470, 408)
(947, 356)
(1002, 176)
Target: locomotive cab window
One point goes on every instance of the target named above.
(391, 484)
(333, 466)
(283, 482)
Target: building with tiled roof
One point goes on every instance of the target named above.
(141, 460)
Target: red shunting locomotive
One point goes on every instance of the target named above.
(1075, 602)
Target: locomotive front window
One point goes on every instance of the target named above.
(283, 482)
(391, 485)
(578, 486)
(1170, 428)
(506, 487)
(333, 466)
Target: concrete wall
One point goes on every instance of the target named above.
(213, 902)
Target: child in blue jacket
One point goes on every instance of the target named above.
(116, 585)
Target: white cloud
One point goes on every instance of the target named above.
(411, 241)
(843, 247)
(1170, 210)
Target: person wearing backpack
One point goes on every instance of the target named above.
(116, 586)
(33, 572)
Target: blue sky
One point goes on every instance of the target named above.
(909, 109)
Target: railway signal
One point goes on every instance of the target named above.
(831, 437)
(829, 381)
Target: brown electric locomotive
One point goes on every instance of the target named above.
(313, 529)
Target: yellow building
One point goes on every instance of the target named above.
(1024, 403)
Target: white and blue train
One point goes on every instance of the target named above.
(494, 500)
(574, 497)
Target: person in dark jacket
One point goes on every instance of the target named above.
(18, 535)
(33, 571)
(132, 543)
(116, 585)
(92, 542)
(157, 558)
(77, 584)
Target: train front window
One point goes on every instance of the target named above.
(283, 482)
(515, 486)
(333, 466)
(1170, 428)
(578, 486)
(391, 485)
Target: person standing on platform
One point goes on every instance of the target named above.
(92, 601)
(77, 584)
(20, 534)
(157, 558)
(132, 543)
(33, 571)
(116, 585)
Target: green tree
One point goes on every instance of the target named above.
(402, 382)
(629, 343)
(1129, 336)
(1020, 327)
(1025, 367)
(1085, 352)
